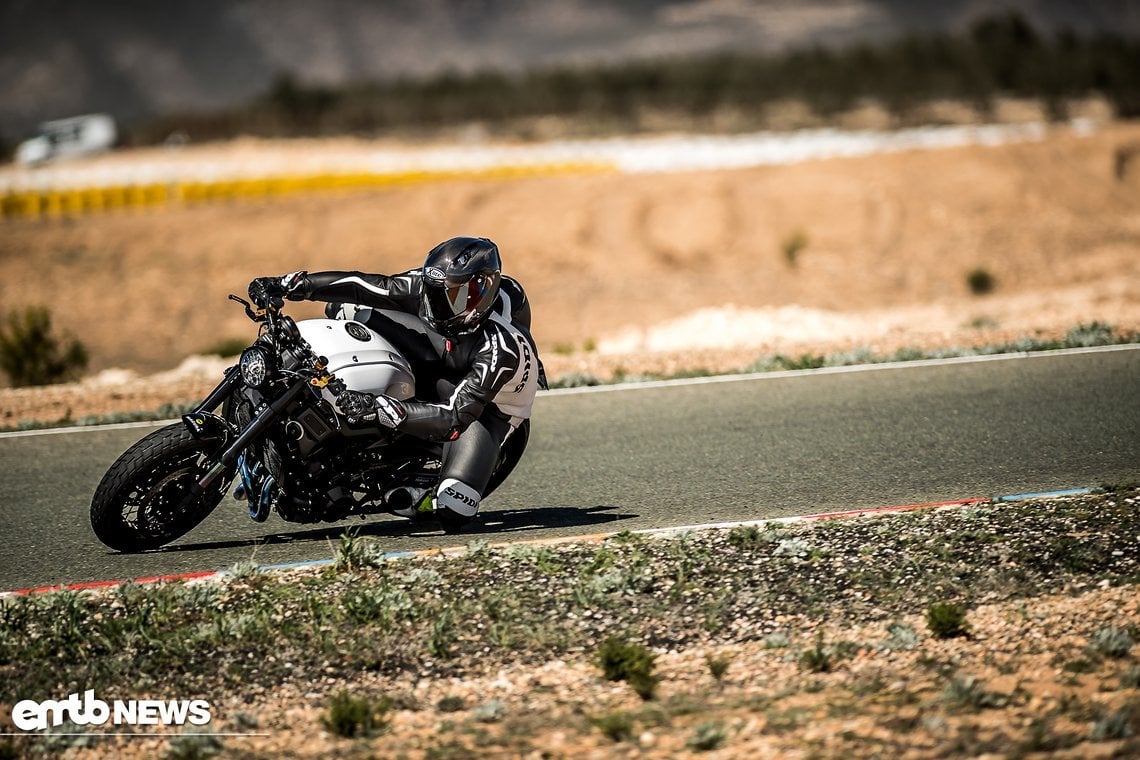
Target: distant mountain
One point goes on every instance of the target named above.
(140, 58)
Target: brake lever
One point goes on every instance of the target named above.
(258, 315)
(249, 312)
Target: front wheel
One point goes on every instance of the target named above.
(146, 500)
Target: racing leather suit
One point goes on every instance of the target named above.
(473, 390)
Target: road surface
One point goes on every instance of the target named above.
(662, 455)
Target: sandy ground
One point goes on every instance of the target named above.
(657, 271)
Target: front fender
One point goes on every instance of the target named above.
(210, 429)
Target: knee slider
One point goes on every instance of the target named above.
(458, 497)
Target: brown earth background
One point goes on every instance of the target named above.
(888, 243)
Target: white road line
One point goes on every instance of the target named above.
(86, 428)
(712, 379)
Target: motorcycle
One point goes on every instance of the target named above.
(272, 425)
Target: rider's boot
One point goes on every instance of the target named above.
(457, 503)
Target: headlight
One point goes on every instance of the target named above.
(254, 367)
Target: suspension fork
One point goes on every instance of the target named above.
(210, 428)
(221, 392)
(228, 458)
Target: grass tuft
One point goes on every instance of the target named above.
(1112, 726)
(970, 694)
(617, 726)
(1111, 642)
(226, 347)
(708, 736)
(718, 666)
(443, 635)
(194, 746)
(745, 537)
(243, 570)
(350, 716)
(30, 354)
(354, 553)
(947, 620)
(818, 659)
(980, 281)
(792, 245)
(901, 637)
(630, 662)
(451, 703)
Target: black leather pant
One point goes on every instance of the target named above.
(470, 458)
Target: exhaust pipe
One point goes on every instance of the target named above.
(402, 501)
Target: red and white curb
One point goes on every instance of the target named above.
(588, 538)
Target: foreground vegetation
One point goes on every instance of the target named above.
(32, 354)
(835, 608)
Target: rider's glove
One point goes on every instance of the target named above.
(267, 291)
(389, 411)
(358, 406)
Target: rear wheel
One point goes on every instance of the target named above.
(509, 456)
(146, 500)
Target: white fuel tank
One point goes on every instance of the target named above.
(360, 356)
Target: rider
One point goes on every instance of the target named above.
(466, 330)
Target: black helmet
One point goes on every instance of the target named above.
(461, 282)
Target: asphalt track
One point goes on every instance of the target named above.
(659, 455)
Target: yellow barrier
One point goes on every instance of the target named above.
(57, 202)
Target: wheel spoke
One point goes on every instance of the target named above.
(150, 507)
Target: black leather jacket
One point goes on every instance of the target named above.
(495, 365)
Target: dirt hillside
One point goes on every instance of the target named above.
(883, 244)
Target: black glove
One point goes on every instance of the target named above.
(266, 291)
(356, 405)
(390, 412)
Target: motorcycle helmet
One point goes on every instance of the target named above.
(461, 279)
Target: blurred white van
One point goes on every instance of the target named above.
(75, 136)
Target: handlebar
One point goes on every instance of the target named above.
(316, 367)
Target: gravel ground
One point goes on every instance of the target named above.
(810, 640)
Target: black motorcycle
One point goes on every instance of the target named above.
(271, 424)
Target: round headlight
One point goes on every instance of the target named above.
(254, 367)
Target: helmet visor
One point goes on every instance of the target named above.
(448, 304)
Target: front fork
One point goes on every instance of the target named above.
(228, 442)
(229, 456)
(206, 426)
